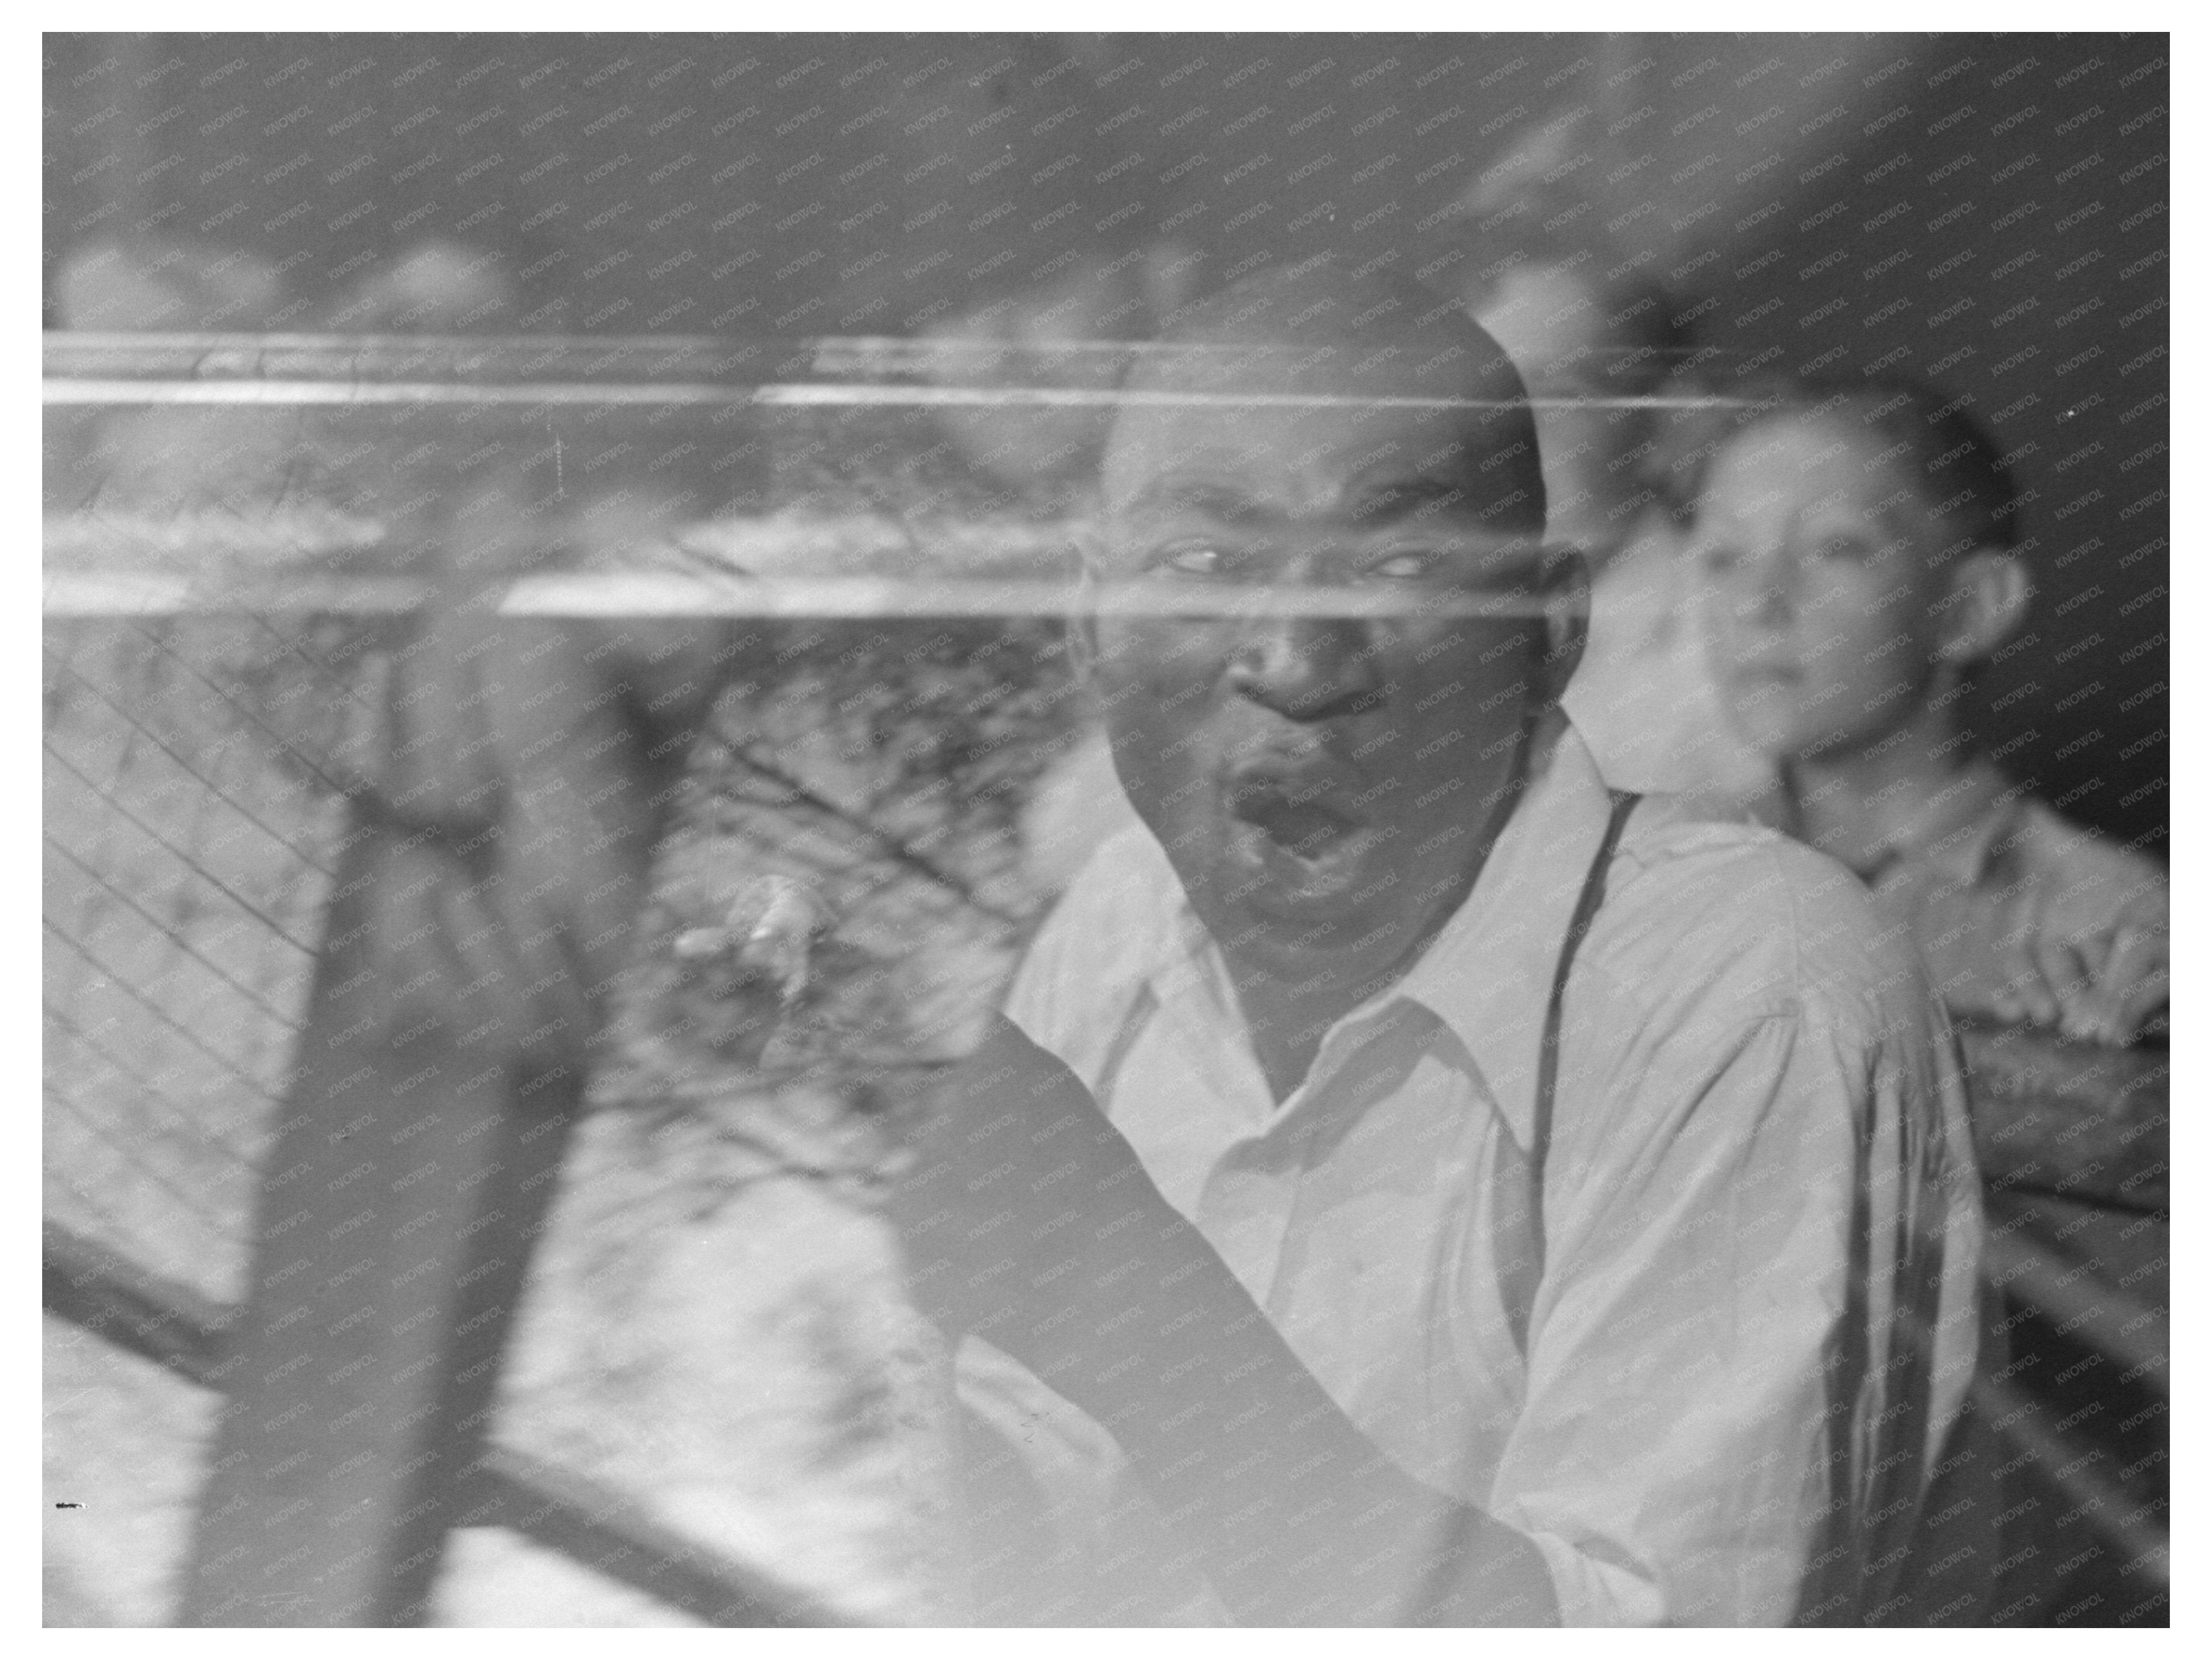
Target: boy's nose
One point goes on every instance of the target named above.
(1769, 603)
(1766, 591)
(1307, 668)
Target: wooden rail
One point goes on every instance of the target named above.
(112, 1296)
(107, 1294)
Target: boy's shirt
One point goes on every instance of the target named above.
(1989, 865)
(1760, 1222)
(1990, 868)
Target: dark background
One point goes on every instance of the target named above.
(1986, 212)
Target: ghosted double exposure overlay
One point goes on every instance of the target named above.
(1092, 830)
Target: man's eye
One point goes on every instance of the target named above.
(1197, 559)
(1405, 565)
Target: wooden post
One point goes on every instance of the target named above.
(486, 898)
(398, 1212)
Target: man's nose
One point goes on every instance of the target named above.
(1308, 668)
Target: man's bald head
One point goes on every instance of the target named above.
(1351, 350)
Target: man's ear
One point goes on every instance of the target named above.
(1564, 584)
(1082, 617)
(1984, 605)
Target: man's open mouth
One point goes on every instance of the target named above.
(1300, 849)
(1310, 828)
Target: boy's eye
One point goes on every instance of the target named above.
(1722, 557)
(1851, 550)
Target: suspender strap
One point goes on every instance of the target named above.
(1142, 1010)
(1520, 1286)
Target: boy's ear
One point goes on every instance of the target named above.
(1988, 600)
(1566, 592)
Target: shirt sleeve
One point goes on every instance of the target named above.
(1087, 964)
(1757, 1315)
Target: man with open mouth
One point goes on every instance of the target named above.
(1433, 1186)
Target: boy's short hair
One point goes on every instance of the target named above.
(1935, 437)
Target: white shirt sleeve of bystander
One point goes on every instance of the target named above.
(1758, 1314)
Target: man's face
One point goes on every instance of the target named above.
(1320, 784)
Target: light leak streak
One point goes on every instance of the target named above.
(783, 394)
(586, 594)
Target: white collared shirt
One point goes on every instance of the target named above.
(1760, 1220)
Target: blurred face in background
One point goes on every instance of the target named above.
(1318, 781)
(1581, 346)
(1825, 591)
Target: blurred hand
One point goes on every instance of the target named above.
(2069, 960)
(765, 938)
(744, 975)
(1012, 1189)
(508, 802)
(2087, 959)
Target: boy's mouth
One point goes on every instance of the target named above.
(1767, 672)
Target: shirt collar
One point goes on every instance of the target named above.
(1486, 977)
(1957, 830)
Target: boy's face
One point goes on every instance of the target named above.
(1823, 594)
(1318, 782)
